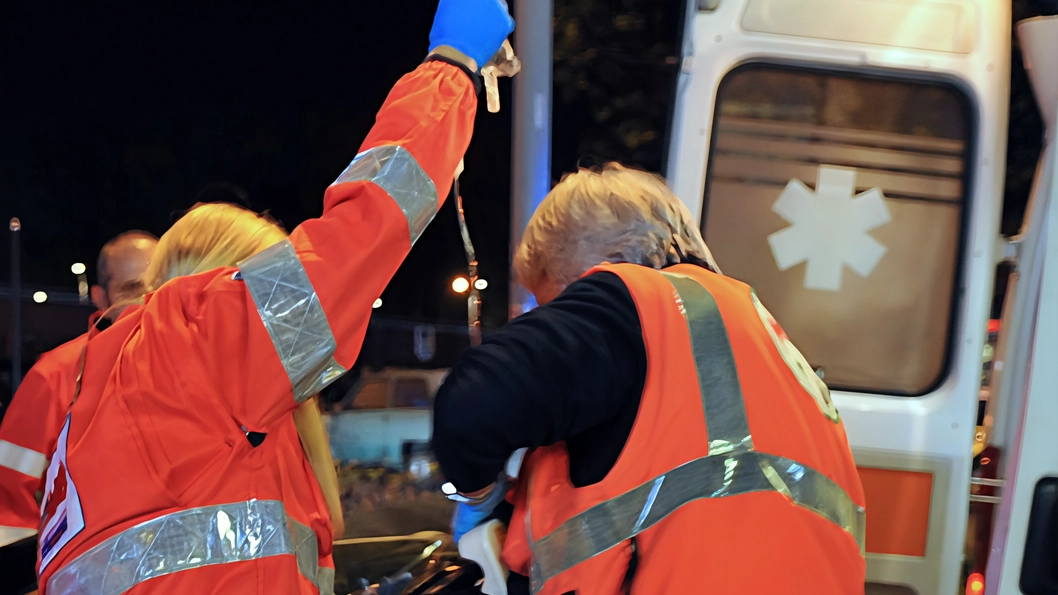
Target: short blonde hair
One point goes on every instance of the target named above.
(615, 214)
(210, 236)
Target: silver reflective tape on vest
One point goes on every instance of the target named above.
(325, 580)
(731, 468)
(725, 410)
(294, 318)
(817, 492)
(21, 459)
(306, 551)
(619, 519)
(393, 169)
(186, 540)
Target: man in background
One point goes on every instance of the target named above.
(119, 270)
(36, 414)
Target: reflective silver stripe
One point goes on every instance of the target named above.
(393, 169)
(306, 550)
(621, 518)
(294, 318)
(731, 468)
(325, 580)
(185, 540)
(725, 410)
(281, 289)
(9, 535)
(21, 459)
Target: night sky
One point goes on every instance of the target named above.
(116, 116)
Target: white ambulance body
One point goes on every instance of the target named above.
(846, 158)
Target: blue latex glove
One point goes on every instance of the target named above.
(467, 516)
(475, 27)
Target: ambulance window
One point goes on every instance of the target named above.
(372, 395)
(840, 199)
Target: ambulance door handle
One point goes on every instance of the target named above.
(1039, 573)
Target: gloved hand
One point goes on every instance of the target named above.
(466, 517)
(470, 515)
(477, 28)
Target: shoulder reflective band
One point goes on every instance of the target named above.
(294, 318)
(186, 540)
(21, 459)
(393, 169)
(725, 412)
(281, 289)
(732, 467)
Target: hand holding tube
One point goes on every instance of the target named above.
(474, 28)
(470, 514)
(473, 510)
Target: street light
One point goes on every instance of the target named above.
(481, 284)
(78, 268)
(377, 304)
(460, 285)
(40, 297)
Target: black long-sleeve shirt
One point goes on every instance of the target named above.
(571, 370)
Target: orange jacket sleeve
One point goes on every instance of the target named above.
(27, 439)
(293, 318)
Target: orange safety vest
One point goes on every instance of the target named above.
(153, 486)
(27, 436)
(37, 414)
(736, 478)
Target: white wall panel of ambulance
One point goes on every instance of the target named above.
(849, 174)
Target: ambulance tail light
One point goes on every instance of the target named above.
(975, 584)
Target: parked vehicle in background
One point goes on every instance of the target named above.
(380, 438)
(381, 413)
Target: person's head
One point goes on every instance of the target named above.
(613, 214)
(120, 268)
(207, 237)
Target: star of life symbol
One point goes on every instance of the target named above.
(828, 227)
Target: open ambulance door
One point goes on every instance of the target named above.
(846, 158)
(1024, 555)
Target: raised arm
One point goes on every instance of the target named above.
(310, 296)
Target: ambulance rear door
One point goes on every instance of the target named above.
(846, 159)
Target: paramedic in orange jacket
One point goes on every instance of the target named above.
(36, 413)
(681, 443)
(155, 485)
(297, 453)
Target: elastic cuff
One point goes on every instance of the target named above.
(474, 77)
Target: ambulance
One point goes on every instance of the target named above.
(846, 159)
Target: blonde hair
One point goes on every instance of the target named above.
(215, 235)
(615, 214)
(210, 236)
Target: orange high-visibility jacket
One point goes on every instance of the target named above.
(153, 486)
(736, 478)
(35, 418)
(27, 436)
